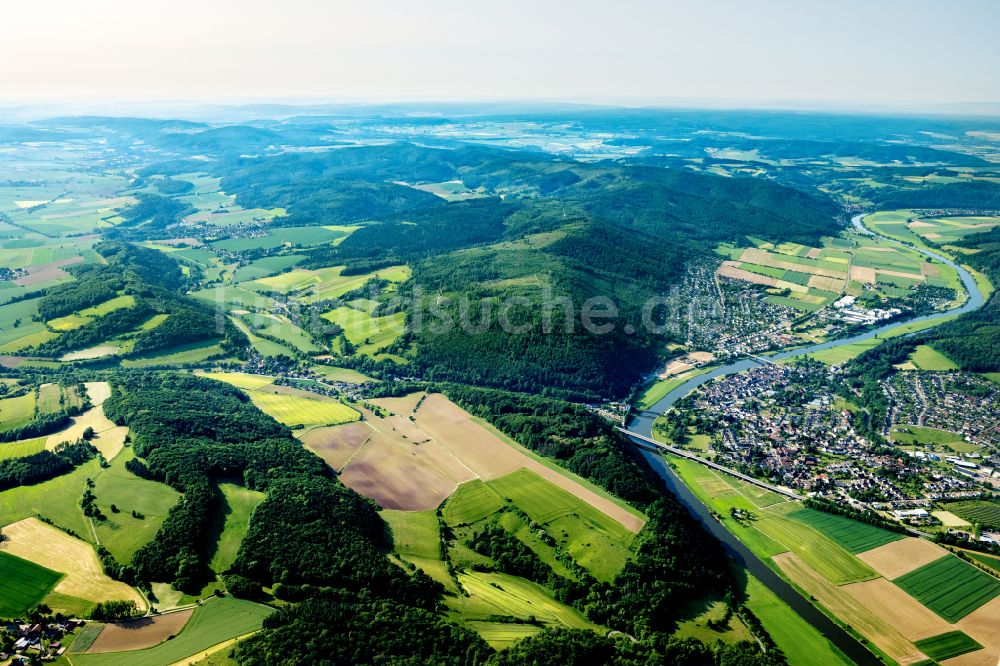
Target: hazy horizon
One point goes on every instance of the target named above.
(891, 55)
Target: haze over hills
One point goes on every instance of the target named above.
(487, 335)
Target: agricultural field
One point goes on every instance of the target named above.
(980, 512)
(279, 236)
(855, 536)
(21, 448)
(366, 333)
(950, 587)
(416, 537)
(325, 283)
(23, 584)
(902, 556)
(136, 634)
(266, 267)
(76, 320)
(293, 407)
(943, 230)
(948, 645)
(215, 621)
(814, 277)
(238, 503)
(122, 533)
(83, 578)
(820, 552)
(16, 412)
(297, 410)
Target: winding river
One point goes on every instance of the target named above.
(642, 424)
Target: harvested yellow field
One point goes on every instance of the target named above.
(983, 624)
(33, 540)
(108, 437)
(404, 405)
(98, 392)
(909, 276)
(929, 270)
(863, 274)
(977, 658)
(746, 276)
(491, 457)
(902, 556)
(813, 253)
(898, 608)
(140, 634)
(825, 283)
(849, 610)
(241, 380)
(947, 518)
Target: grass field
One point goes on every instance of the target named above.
(471, 502)
(854, 536)
(594, 540)
(23, 584)
(417, 538)
(325, 283)
(522, 599)
(293, 410)
(822, 554)
(191, 354)
(16, 412)
(950, 587)
(914, 434)
(368, 334)
(22, 448)
(926, 357)
(215, 621)
(334, 374)
(977, 511)
(121, 533)
(78, 319)
(240, 379)
(660, 389)
(946, 646)
(237, 508)
(797, 639)
(843, 353)
(300, 236)
(278, 327)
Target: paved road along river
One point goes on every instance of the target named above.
(642, 424)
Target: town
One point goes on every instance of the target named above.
(799, 425)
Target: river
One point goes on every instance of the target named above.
(642, 424)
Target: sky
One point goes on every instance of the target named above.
(899, 53)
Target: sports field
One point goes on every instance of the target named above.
(215, 621)
(23, 584)
(950, 587)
